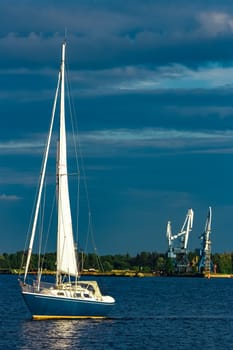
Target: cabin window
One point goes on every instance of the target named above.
(86, 295)
(78, 295)
(91, 288)
(60, 293)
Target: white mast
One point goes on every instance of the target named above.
(66, 258)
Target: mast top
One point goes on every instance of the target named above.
(63, 51)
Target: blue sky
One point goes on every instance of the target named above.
(152, 82)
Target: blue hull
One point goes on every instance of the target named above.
(44, 307)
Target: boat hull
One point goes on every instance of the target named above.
(47, 307)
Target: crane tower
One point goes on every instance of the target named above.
(178, 243)
(205, 264)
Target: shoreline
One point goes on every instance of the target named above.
(125, 273)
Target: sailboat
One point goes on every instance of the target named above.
(69, 296)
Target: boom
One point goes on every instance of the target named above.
(178, 243)
(184, 232)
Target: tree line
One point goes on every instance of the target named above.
(144, 262)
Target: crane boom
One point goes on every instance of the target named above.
(178, 243)
(184, 232)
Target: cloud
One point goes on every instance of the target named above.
(173, 77)
(18, 147)
(214, 23)
(5, 197)
(120, 141)
(104, 35)
(123, 142)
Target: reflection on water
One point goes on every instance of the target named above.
(57, 334)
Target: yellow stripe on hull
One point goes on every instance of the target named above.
(48, 317)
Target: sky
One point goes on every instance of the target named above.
(152, 83)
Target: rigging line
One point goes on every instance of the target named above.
(90, 232)
(81, 165)
(31, 219)
(74, 128)
(49, 228)
(41, 181)
(90, 228)
(41, 230)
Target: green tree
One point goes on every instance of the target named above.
(169, 266)
(225, 263)
(160, 264)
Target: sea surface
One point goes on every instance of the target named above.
(150, 313)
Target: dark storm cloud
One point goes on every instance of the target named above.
(153, 84)
(117, 33)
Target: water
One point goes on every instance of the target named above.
(151, 313)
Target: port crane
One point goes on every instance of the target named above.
(178, 243)
(205, 264)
